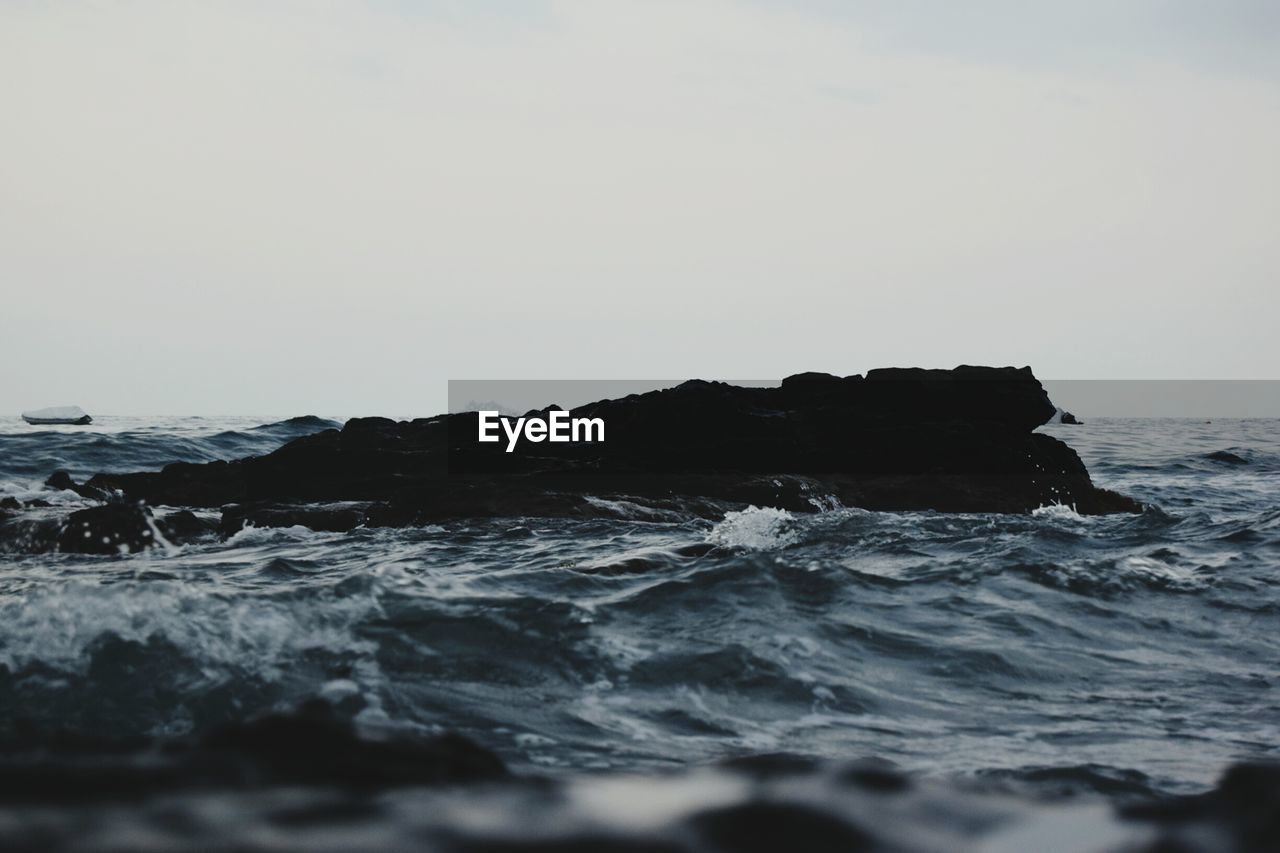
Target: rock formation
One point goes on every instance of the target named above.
(959, 440)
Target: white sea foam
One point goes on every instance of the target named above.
(58, 626)
(339, 689)
(825, 503)
(1161, 573)
(157, 536)
(631, 510)
(759, 528)
(1059, 512)
(29, 490)
(252, 535)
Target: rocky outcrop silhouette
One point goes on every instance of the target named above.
(959, 440)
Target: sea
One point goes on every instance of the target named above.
(1135, 653)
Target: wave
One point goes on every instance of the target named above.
(1044, 649)
(32, 455)
(165, 656)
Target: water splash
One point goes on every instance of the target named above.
(757, 528)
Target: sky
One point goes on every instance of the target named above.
(282, 207)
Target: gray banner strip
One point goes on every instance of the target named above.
(1086, 398)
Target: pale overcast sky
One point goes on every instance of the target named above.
(333, 207)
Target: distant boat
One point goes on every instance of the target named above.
(58, 415)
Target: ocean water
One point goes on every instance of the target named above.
(1138, 651)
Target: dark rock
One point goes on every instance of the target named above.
(206, 484)
(9, 502)
(811, 379)
(185, 526)
(328, 519)
(62, 480)
(1227, 457)
(21, 534)
(1062, 416)
(1005, 396)
(117, 528)
(38, 503)
(951, 440)
(810, 385)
